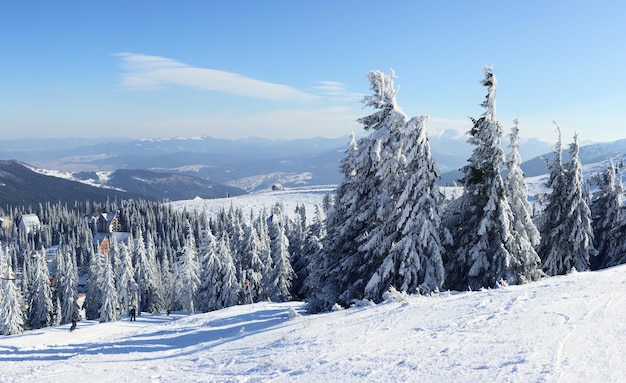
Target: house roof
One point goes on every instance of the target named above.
(30, 220)
(108, 216)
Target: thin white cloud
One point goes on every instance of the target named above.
(337, 90)
(144, 72)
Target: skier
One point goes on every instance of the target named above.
(133, 312)
(74, 320)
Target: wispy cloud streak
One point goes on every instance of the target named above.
(144, 72)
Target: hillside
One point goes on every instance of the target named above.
(20, 186)
(561, 329)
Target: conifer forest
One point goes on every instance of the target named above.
(388, 225)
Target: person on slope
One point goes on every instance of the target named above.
(75, 318)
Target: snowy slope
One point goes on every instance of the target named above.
(289, 198)
(562, 329)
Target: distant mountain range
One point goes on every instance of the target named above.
(175, 169)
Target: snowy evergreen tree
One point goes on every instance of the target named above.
(415, 260)
(187, 279)
(261, 225)
(567, 234)
(11, 314)
(609, 220)
(66, 283)
(525, 234)
(166, 282)
(125, 279)
(109, 305)
(146, 273)
(228, 275)
(95, 280)
(155, 302)
(210, 285)
(360, 222)
(280, 277)
(41, 306)
(312, 248)
(253, 265)
(480, 221)
(11, 303)
(295, 230)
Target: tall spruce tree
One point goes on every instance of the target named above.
(66, 283)
(11, 314)
(187, 279)
(609, 220)
(95, 280)
(526, 237)
(125, 279)
(209, 290)
(11, 303)
(228, 282)
(481, 219)
(414, 263)
(41, 306)
(359, 232)
(253, 265)
(566, 232)
(109, 309)
(280, 277)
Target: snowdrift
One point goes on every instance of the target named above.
(567, 329)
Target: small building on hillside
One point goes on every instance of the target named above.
(108, 228)
(29, 223)
(108, 223)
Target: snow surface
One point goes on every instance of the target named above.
(561, 329)
(308, 197)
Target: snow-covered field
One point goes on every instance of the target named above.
(562, 329)
(290, 199)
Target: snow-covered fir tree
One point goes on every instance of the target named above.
(155, 302)
(95, 280)
(210, 283)
(187, 279)
(312, 247)
(296, 229)
(109, 305)
(359, 230)
(414, 263)
(11, 314)
(280, 277)
(66, 283)
(253, 265)
(11, 303)
(146, 273)
(125, 279)
(228, 296)
(526, 237)
(480, 221)
(566, 231)
(41, 305)
(167, 284)
(609, 220)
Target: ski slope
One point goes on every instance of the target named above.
(561, 329)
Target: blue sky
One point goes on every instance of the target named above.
(286, 69)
